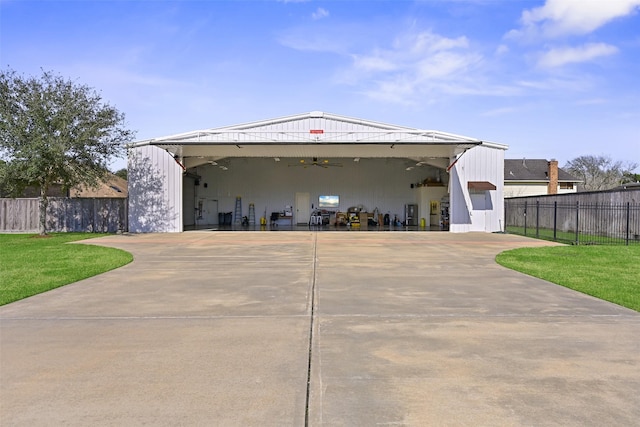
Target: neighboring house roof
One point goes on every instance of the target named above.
(114, 186)
(628, 186)
(532, 170)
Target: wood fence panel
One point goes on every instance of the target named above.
(18, 214)
(99, 215)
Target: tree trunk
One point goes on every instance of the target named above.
(43, 203)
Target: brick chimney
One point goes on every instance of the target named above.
(553, 177)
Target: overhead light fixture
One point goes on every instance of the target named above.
(213, 163)
(357, 159)
(277, 159)
(224, 168)
(409, 168)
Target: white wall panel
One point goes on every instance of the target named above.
(426, 195)
(482, 163)
(373, 183)
(520, 190)
(155, 191)
(531, 189)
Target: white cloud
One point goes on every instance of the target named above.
(423, 54)
(444, 65)
(561, 56)
(427, 41)
(373, 63)
(592, 101)
(572, 17)
(421, 67)
(320, 13)
(502, 49)
(577, 83)
(499, 112)
(313, 43)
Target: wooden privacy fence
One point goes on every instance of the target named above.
(96, 215)
(581, 218)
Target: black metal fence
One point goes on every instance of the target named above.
(576, 222)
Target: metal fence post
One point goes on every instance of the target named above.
(525, 217)
(555, 220)
(537, 218)
(577, 223)
(628, 222)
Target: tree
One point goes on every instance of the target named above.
(600, 172)
(54, 131)
(631, 177)
(122, 173)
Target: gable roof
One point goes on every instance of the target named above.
(315, 134)
(532, 170)
(113, 186)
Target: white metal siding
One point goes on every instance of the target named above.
(155, 191)
(480, 163)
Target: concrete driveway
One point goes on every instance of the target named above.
(314, 328)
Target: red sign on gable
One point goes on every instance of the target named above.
(316, 131)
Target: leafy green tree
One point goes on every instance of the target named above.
(631, 177)
(122, 173)
(55, 131)
(599, 172)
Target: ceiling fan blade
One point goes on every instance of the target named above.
(323, 164)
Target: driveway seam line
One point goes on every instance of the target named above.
(311, 325)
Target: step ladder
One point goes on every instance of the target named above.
(237, 214)
(252, 214)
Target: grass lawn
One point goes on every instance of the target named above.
(611, 273)
(30, 264)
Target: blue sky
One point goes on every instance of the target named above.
(549, 78)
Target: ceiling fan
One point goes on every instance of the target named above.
(315, 162)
